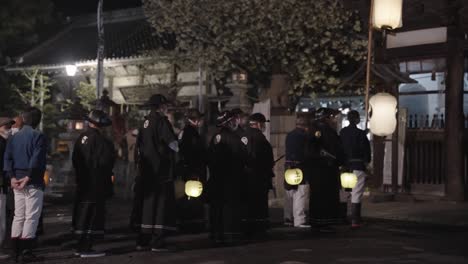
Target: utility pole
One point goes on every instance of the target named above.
(100, 51)
(454, 122)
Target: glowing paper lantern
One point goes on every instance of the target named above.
(382, 114)
(293, 176)
(348, 180)
(387, 14)
(193, 188)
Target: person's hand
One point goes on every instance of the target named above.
(14, 183)
(23, 182)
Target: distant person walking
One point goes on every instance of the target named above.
(25, 164)
(93, 160)
(357, 156)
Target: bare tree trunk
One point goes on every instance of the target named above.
(33, 86)
(100, 52)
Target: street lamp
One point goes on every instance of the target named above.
(384, 15)
(71, 70)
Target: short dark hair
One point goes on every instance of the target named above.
(32, 117)
(353, 117)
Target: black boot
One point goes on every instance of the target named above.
(27, 254)
(16, 249)
(356, 215)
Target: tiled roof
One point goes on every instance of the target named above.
(127, 35)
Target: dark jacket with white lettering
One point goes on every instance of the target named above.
(93, 159)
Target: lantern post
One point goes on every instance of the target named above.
(385, 15)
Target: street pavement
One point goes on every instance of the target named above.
(380, 241)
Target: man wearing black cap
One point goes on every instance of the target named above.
(93, 160)
(5, 133)
(324, 156)
(358, 155)
(193, 162)
(226, 185)
(259, 176)
(157, 147)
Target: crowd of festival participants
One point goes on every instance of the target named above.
(235, 168)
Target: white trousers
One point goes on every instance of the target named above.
(28, 208)
(296, 205)
(358, 191)
(3, 218)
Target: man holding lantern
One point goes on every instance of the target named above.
(192, 167)
(357, 156)
(297, 196)
(259, 176)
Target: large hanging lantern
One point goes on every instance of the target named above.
(387, 14)
(382, 114)
(193, 188)
(348, 180)
(293, 176)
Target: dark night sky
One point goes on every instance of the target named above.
(72, 8)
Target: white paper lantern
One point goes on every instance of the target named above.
(387, 14)
(193, 188)
(293, 176)
(348, 180)
(382, 114)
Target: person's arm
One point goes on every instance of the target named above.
(167, 135)
(8, 160)
(367, 148)
(38, 157)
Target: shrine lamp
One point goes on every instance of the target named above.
(193, 188)
(293, 176)
(348, 181)
(387, 14)
(384, 15)
(71, 70)
(382, 114)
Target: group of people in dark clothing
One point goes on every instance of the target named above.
(322, 154)
(235, 168)
(239, 161)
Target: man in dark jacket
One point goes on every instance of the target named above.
(259, 176)
(357, 156)
(226, 185)
(25, 164)
(5, 133)
(297, 197)
(93, 159)
(192, 166)
(324, 156)
(157, 146)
